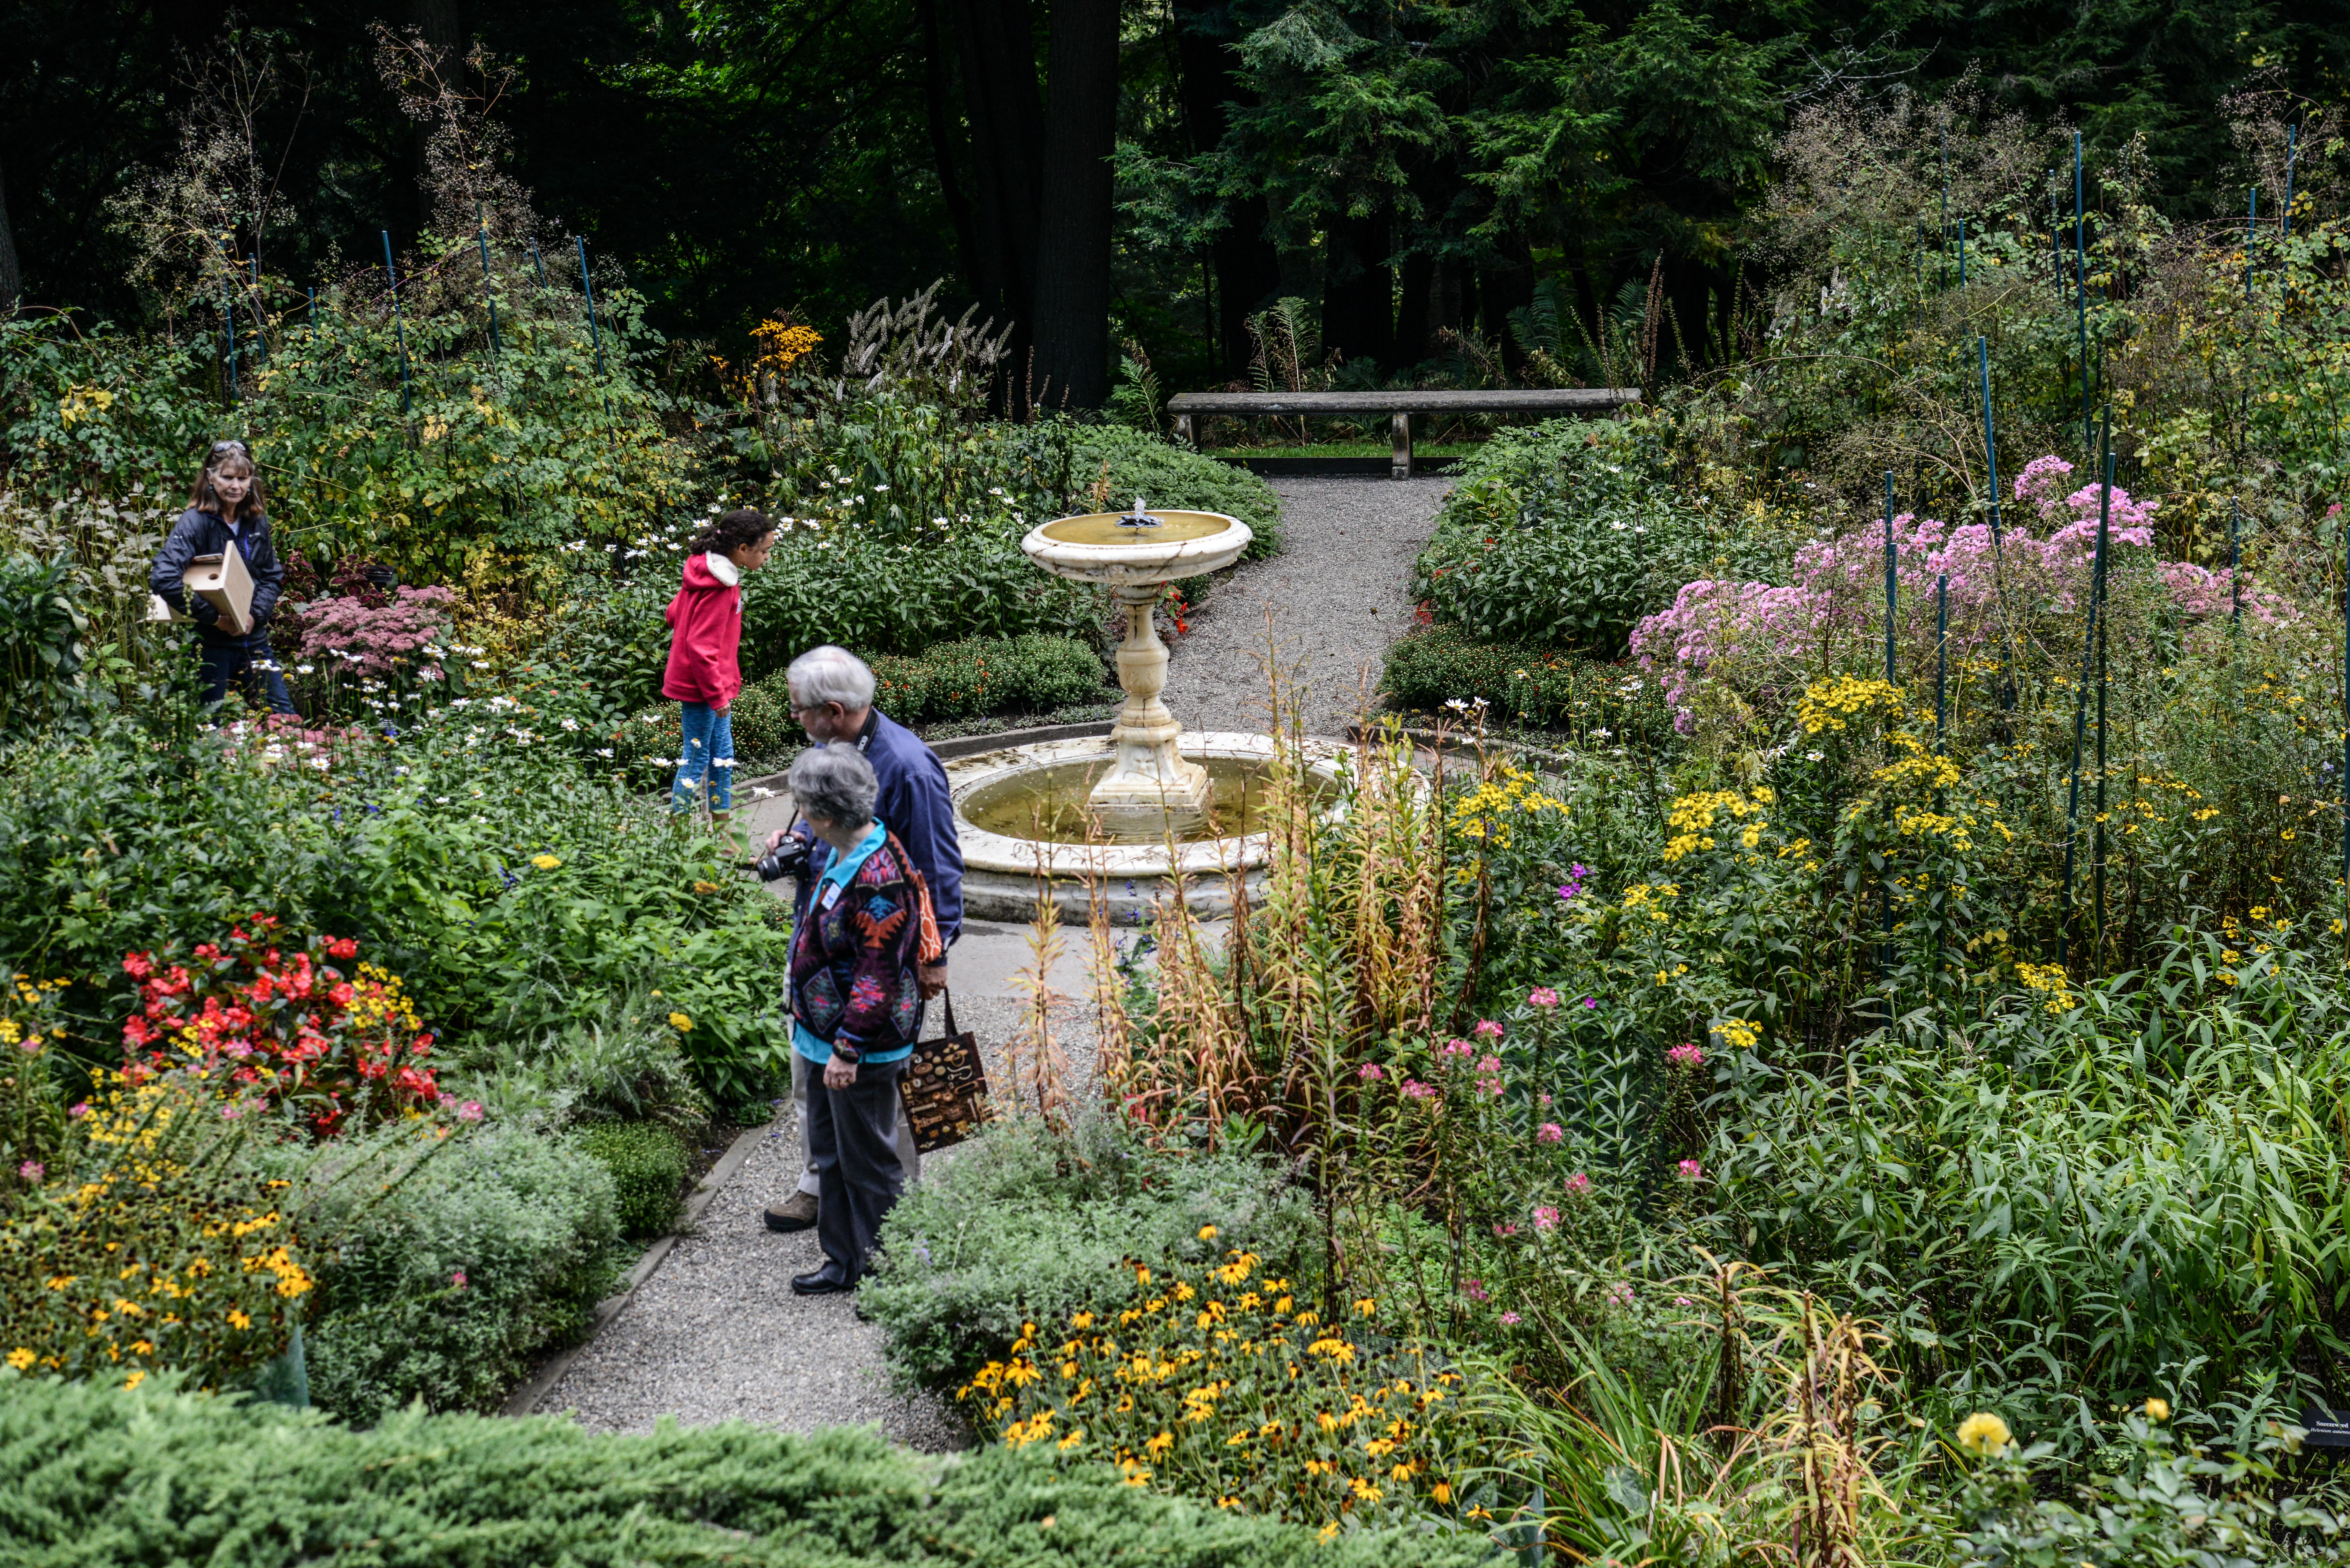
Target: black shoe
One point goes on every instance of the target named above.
(827, 1281)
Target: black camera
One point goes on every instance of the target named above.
(788, 858)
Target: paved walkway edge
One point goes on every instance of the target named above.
(525, 1400)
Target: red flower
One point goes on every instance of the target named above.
(138, 966)
(342, 948)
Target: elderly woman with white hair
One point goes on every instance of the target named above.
(857, 1006)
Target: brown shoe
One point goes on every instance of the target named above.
(796, 1212)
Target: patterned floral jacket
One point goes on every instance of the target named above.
(853, 979)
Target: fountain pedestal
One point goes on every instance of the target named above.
(1150, 788)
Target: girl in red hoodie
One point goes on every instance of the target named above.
(705, 622)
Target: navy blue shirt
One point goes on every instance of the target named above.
(913, 802)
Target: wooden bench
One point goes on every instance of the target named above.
(1587, 401)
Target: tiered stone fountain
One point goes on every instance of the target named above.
(1132, 811)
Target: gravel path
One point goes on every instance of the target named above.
(1338, 592)
(716, 1334)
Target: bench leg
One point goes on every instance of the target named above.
(1400, 427)
(1184, 431)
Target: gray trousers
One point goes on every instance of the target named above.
(803, 1072)
(853, 1132)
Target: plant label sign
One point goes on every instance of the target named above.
(2327, 1426)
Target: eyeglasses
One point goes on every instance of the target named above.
(220, 446)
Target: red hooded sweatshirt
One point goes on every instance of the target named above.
(705, 622)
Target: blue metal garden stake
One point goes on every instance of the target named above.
(2235, 571)
(535, 264)
(483, 235)
(1891, 586)
(2098, 590)
(1942, 662)
(399, 328)
(2081, 292)
(592, 331)
(2252, 230)
(1990, 444)
(228, 325)
(2080, 730)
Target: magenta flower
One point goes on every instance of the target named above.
(1490, 1087)
(1578, 1184)
(1620, 1294)
(1551, 1132)
(1511, 1320)
(1369, 1073)
(457, 1278)
(470, 1111)
(79, 1109)
(1489, 1029)
(1543, 1098)
(1542, 996)
(1691, 1170)
(1475, 1290)
(1414, 1089)
(1458, 1048)
(1488, 1064)
(32, 1171)
(1546, 1218)
(1686, 1054)
(1590, 1001)
(1503, 1228)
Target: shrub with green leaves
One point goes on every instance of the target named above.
(1026, 1224)
(1524, 683)
(443, 1289)
(157, 1477)
(1563, 535)
(647, 1163)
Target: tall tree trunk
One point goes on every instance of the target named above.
(12, 275)
(1358, 292)
(1247, 267)
(943, 150)
(1073, 231)
(996, 44)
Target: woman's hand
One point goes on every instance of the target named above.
(839, 1075)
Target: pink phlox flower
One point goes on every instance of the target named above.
(1691, 1170)
(1551, 1132)
(32, 1171)
(1503, 1228)
(1369, 1071)
(1414, 1089)
(457, 1278)
(1488, 1029)
(470, 1111)
(1488, 1064)
(1457, 1048)
(1688, 1053)
(1542, 996)
(1511, 1320)
(1578, 1184)
(1546, 1218)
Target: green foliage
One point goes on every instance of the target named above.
(510, 887)
(620, 1063)
(648, 1166)
(1023, 1225)
(2173, 1504)
(1526, 683)
(1561, 536)
(139, 1479)
(1032, 674)
(492, 1251)
(41, 647)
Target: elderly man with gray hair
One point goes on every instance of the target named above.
(832, 697)
(857, 1006)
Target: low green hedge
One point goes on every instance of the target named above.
(1523, 683)
(158, 1477)
(647, 1162)
(1032, 673)
(1023, 1225)
(442, 1290)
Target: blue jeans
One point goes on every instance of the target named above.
(708, 752)
(251, 664)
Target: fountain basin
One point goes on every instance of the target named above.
(1001, 869)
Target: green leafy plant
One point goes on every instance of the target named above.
(647, 1163)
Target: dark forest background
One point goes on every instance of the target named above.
(1096, 172)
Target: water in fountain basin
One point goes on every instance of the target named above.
(1049, 804)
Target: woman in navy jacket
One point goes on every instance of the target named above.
(224, 513)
